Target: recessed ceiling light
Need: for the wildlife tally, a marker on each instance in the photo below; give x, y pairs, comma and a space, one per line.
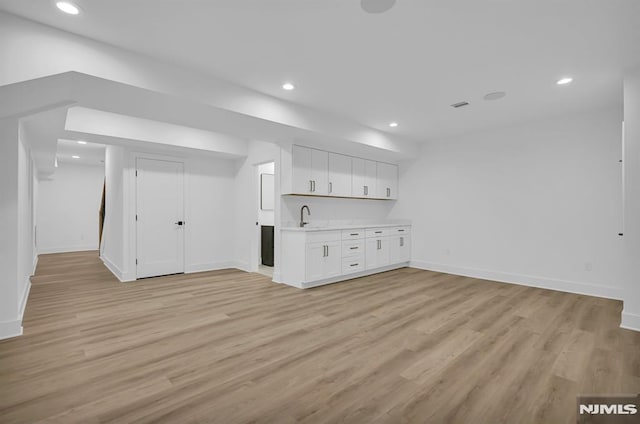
496, 95
288, 86
376, 6
564, 81
82, 142
75, 157
393, 124
68, 8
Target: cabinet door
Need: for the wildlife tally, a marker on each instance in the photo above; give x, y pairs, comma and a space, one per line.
302, 176
320, 172
399, 249
371, 253
370, 178
387, 182
357, 177
405, 248
315, 261
384, 252
333, 259
364, 175
395, 249
339, 175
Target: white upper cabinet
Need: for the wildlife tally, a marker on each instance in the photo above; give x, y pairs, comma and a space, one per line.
387, 181
363, 178
321, 173
310, 171
339, 175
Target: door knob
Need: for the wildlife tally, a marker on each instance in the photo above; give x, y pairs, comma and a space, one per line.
179, 223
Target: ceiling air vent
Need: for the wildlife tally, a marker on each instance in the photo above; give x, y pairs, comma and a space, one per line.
460, 104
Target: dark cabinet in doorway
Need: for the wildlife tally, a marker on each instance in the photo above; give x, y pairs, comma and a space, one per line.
267, 245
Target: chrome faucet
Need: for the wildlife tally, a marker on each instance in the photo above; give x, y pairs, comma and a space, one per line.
302, 223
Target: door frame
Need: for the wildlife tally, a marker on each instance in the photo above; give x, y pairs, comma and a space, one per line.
134, 209
256, 233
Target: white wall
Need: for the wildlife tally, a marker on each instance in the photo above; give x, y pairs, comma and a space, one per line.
325, 209
538, 204
112, 249
10, 324
26, 249
68, 206
17, 252
631, 312
246, 203
209, 214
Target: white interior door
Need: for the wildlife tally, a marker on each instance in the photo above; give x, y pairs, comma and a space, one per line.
159, 217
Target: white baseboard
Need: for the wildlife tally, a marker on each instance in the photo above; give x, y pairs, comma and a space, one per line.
209, 266
66, 249
524, 280
113, 268
23, 300
9, 329
341, 278
241, 265
630, 321
189, 269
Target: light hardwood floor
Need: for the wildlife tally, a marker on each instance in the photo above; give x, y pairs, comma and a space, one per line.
232, 347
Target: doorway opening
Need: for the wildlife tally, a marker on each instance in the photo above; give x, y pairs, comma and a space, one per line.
266, 217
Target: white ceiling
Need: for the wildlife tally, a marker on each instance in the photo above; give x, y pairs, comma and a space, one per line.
407, 65
89, 154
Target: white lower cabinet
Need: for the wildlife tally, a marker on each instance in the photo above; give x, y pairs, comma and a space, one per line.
399, 248
324, 260
316, 257
377, 252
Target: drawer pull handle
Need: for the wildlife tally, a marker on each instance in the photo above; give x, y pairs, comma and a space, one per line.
353, 248
401, 231
354, 265
378, 232
354, 234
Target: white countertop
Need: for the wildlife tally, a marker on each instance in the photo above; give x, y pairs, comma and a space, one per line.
336, 226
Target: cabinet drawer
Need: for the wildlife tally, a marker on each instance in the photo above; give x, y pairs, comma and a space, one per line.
406, 230
322, 236
352, 248
354, 264
378, 232
353, 234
